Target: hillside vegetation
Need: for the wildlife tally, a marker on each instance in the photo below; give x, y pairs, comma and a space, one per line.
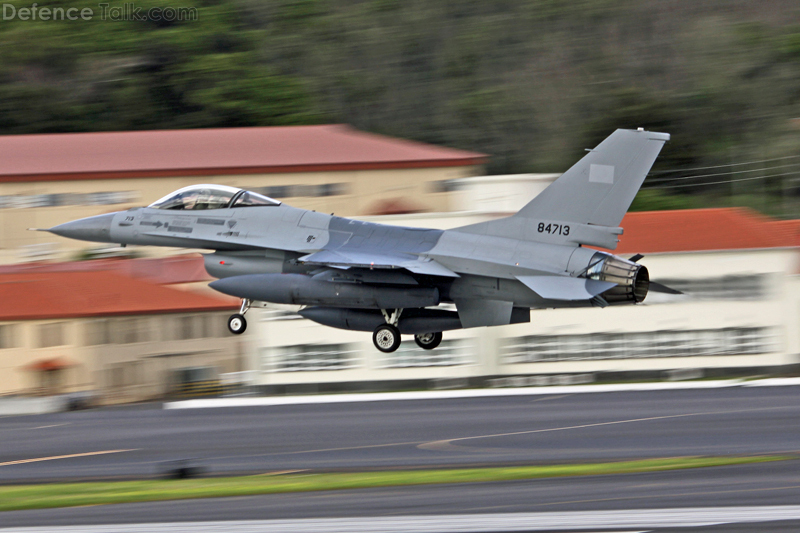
530, 83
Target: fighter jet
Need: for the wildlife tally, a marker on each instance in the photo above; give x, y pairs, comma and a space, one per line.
397, 281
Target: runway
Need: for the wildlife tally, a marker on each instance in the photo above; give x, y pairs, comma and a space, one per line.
479, 431
135, 441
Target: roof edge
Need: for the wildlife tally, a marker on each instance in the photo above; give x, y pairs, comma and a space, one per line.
132, 313
226, 171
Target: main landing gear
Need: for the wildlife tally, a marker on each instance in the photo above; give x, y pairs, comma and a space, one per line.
236, 323
428, 341
386, 337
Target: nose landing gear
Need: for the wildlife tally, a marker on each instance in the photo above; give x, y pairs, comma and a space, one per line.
237, 323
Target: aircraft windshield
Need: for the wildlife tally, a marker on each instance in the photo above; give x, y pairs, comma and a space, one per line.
197, 197
250, 198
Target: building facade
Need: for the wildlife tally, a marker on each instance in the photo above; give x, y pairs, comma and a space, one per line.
49, 179
119, 337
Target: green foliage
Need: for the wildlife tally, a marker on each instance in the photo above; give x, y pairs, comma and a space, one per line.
117, 75
530, 83
655, 200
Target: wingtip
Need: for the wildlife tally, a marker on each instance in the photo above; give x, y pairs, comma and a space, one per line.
654, 135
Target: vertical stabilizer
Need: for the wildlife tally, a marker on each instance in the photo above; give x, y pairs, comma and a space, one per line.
599, 188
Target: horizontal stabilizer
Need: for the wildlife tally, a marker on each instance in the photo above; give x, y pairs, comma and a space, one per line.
658, 287
565, 288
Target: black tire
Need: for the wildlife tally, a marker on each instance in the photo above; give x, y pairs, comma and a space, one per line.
237, 324
428, 341
386, 338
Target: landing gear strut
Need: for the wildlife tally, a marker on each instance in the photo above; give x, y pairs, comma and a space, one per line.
386, 337
236, 323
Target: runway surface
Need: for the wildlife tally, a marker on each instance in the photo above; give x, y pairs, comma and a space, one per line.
525, 430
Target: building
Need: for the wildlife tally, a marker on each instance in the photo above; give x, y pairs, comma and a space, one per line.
132, 329
739, 314
53, 178
498, 194
121, 337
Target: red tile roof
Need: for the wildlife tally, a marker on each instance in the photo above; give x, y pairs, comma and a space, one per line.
185, 268
51, 295
203, 152
790, 227
734, 228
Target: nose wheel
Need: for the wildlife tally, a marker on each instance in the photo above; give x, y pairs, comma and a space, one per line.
237, 323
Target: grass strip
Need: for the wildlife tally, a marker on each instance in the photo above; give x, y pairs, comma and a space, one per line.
17, 497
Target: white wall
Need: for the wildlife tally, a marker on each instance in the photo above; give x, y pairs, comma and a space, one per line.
499, 194
778, 311
482, 350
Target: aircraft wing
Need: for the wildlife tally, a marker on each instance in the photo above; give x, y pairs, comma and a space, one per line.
378, 260
565, 288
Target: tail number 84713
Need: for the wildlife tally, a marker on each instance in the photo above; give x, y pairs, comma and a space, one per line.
553, 229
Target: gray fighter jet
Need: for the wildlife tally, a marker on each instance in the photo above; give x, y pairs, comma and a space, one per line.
393, 280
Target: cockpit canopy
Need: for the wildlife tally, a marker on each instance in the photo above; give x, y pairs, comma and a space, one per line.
197, 197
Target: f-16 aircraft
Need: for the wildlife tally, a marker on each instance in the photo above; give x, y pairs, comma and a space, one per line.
393, 280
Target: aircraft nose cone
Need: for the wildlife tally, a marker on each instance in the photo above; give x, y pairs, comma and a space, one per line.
97, 228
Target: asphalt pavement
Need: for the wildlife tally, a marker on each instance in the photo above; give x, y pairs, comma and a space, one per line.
138, 441
550, 429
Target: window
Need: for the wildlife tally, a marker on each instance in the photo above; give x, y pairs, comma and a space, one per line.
213, 325
445, 186
7, 339
278, 191
126, 330
53, 200
197, 197
728, 341
186, 327
449, 353
312, 357
98, 332
332, 189
293, 191
51, 334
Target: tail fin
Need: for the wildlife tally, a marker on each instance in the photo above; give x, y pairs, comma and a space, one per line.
585, 205
599, 189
